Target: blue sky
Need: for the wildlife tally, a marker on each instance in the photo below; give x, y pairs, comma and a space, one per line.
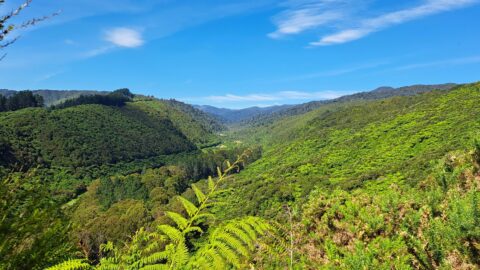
242, 53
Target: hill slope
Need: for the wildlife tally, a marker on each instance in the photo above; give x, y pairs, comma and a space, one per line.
379, 93
95, 134
348, 144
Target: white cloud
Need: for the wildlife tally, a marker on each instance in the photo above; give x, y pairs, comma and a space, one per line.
124, 37
368, 26
303, 15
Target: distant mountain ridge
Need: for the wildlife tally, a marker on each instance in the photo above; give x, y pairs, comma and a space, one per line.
229, 116
270, 114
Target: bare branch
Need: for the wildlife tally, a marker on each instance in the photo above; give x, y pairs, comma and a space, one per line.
6, 30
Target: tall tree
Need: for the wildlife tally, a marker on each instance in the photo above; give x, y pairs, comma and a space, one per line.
3, 103
23, 99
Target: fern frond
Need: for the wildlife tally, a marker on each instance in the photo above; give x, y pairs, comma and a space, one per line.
240, 234
153, 245
189, 206
216, 259
248, 229
181, 222
233, 242
156, 267
173, 233
257, 224
211, 184
200, 195
228, 254
193, 229
155, 258
71, 265
202, 217
180, 257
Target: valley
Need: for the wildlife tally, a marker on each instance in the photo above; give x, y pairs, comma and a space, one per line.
364, 176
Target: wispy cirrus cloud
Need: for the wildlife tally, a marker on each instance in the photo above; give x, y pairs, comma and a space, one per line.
335, 72
372, 25
304, 15
441, 63
351, 18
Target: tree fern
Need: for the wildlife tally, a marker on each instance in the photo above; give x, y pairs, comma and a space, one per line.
230, 244
72, 265
227, 246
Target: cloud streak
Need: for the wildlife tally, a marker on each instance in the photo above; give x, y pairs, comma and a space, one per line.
308, 15
442, 63
335, 72
372, 25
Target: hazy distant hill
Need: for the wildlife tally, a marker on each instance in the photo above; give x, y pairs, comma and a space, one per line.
55, 96
230, 116
379, 93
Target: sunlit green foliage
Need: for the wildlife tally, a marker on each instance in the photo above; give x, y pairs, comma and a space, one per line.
195, 124
347, 145
353, 185
88, 135
390, 224
172, 246
33, 230
116, 98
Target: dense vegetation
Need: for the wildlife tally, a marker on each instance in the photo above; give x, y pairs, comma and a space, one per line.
20, 100
349, 144
388, 183
116, 98
77, 133
54, 97
197, 125
269, 117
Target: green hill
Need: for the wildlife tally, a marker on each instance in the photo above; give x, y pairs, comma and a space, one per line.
270, 116
195, 124
95, 134
389, 183
349, 144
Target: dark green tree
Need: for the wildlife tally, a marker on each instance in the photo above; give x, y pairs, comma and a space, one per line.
3, 103
23, 99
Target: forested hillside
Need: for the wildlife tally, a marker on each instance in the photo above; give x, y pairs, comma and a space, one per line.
52, 97
388, 183
379, 93
348, 144
94, 134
